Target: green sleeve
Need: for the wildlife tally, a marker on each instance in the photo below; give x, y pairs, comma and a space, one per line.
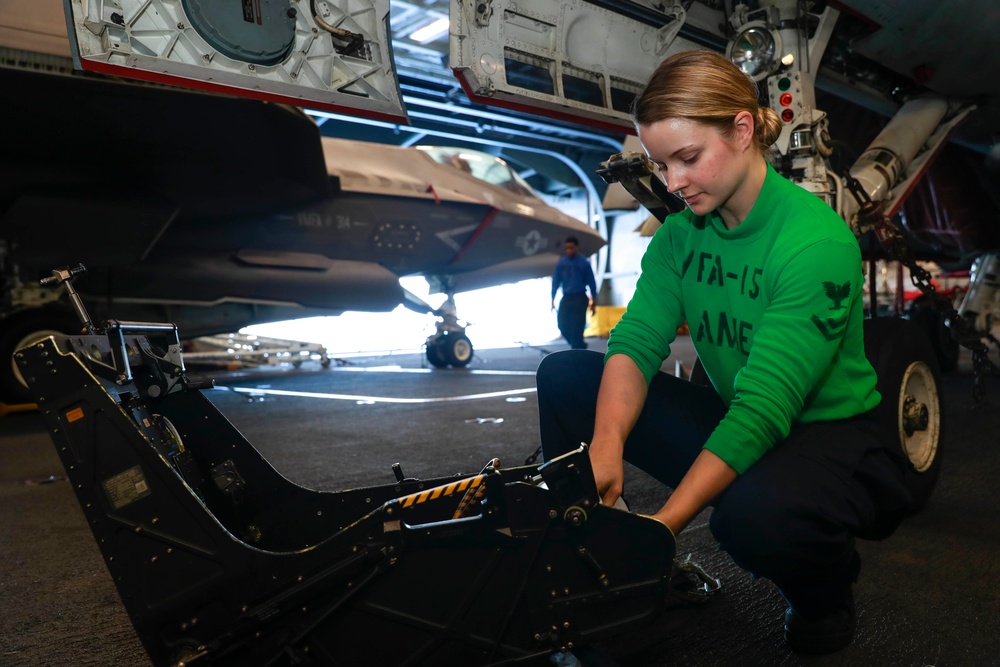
650, 321
813, 299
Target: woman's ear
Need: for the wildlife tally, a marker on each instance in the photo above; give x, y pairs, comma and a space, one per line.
743, 124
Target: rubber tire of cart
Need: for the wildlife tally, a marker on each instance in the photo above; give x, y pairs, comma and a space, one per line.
899, 349
932, 322
458, 349
21, 330
435, 354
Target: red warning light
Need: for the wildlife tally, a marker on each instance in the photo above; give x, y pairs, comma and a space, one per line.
786, 100
787, 115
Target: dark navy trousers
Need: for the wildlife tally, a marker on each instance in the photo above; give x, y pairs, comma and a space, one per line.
572, 319
791, 517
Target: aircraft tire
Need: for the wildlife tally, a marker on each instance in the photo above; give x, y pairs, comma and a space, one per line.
20, 330
909, 380
932, 322
435, 354
458, 350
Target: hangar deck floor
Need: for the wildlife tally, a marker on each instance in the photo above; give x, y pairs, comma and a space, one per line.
929, 595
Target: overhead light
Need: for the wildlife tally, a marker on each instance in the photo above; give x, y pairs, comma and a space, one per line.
430, 31
755, 50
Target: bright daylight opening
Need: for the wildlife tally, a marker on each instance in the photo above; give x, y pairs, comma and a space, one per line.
501, 316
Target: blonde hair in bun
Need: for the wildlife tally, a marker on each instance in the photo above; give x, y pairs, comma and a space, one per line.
767, 127
706, 87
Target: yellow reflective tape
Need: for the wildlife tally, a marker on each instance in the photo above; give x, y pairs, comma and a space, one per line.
438, 491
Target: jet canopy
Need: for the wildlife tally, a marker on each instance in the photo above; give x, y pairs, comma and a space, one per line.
483, 166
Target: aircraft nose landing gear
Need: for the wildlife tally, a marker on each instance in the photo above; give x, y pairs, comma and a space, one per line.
449, 346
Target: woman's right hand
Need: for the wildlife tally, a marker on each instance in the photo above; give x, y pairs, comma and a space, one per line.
619, 401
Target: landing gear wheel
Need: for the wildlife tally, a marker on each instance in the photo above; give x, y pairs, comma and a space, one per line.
932, 322
435, 354
457, 350
20, 333
449, 349
908, 379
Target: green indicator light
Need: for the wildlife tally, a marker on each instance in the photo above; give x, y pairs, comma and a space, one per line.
784, 83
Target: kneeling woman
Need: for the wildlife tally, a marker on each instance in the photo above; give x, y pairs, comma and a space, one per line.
785, 445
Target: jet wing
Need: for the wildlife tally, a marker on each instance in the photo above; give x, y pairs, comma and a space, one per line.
324, 55
134, 164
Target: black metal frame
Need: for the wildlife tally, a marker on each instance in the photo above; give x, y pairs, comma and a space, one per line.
221, 560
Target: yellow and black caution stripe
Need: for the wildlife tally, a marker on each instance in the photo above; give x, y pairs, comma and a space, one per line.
472, 487
472, 494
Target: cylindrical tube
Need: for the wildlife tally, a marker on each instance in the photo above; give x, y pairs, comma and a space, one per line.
885, 160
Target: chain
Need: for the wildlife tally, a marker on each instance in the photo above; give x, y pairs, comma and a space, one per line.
960, 328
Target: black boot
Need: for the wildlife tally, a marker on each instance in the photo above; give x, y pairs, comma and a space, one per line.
825, 631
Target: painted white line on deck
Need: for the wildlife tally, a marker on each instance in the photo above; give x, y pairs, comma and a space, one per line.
400, 369
375, 399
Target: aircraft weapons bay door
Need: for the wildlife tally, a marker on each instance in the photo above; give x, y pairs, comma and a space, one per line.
332, 55
568, 59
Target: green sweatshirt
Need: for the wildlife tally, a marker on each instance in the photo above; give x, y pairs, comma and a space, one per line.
775, 312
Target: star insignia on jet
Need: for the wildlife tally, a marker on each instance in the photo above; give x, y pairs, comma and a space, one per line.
531, 242
837, 293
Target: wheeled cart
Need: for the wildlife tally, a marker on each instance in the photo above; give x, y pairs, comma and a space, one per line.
220, 560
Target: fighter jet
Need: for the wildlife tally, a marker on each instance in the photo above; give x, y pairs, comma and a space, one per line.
215, 212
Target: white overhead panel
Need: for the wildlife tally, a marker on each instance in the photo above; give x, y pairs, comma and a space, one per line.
563, 58
333, 55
